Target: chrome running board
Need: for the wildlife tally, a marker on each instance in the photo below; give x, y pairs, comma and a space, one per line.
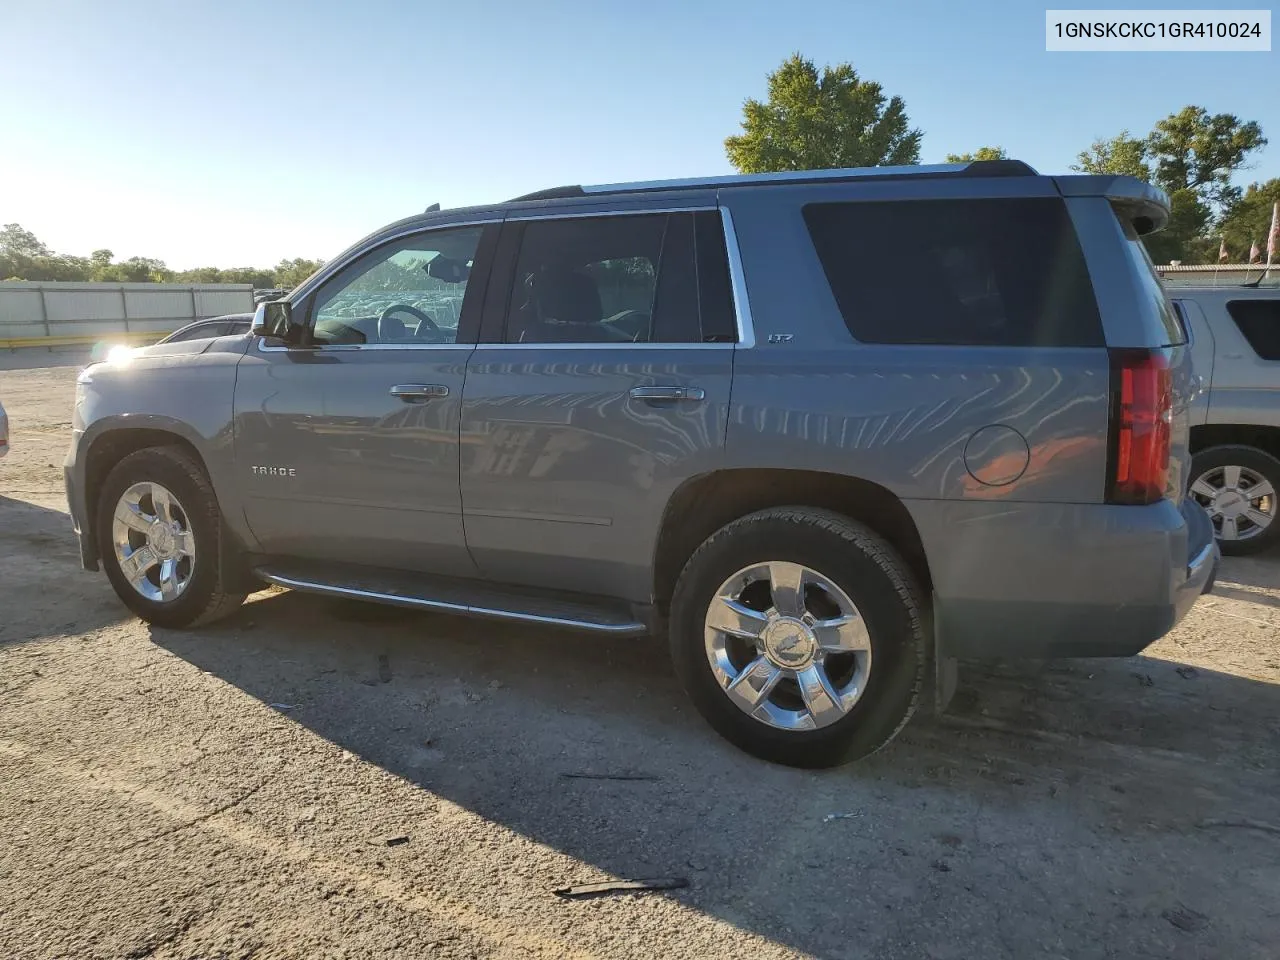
423, 592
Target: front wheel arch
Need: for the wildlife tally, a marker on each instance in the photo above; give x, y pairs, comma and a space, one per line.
109, 448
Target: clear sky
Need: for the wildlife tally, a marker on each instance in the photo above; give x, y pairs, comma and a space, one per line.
236, 133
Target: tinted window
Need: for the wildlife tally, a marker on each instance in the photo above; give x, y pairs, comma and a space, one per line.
407, 292
618, 279
197, 331
1259, 321
1171, 330
715, 294
976, 272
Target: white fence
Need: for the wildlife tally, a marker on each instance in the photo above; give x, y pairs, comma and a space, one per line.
1223, 274
53, 314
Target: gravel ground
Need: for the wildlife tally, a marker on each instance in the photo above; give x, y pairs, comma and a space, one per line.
312, 779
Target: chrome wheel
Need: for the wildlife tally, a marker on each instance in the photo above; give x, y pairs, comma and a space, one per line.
1240, 502
787, 645
153, 542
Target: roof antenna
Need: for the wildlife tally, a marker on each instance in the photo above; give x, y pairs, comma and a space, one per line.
432, 209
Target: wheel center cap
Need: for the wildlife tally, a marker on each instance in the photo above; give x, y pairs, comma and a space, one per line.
789, 643
162, 540
1230, 503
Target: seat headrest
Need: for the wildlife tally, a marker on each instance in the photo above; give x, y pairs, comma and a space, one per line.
568, 296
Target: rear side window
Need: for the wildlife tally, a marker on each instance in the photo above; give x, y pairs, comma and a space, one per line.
961, 272
1153, 291
1259, 321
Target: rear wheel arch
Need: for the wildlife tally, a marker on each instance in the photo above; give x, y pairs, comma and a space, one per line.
704, 504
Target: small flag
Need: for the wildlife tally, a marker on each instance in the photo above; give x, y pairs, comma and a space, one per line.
1222, 249
1273, 238
1254, 253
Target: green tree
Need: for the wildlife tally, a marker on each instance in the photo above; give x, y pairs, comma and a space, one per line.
19, 249
1192, 156
1122, 155
289, 273
1250, 218
982, 153
1195, 151
1183, 238
101, 268
258, 277
815, 121
17, 241
143, 270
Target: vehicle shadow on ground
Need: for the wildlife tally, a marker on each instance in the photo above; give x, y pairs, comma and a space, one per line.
513, 723
40, 561
1245, 578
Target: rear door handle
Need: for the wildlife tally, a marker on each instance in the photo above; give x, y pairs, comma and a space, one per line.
419, 392
693, 394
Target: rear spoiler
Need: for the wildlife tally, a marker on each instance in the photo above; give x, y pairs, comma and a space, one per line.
1144, 206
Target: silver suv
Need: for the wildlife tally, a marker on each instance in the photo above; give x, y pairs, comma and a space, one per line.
828, 431
1235, 417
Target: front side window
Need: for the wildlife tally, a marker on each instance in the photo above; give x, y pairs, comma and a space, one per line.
618, 279
408, 292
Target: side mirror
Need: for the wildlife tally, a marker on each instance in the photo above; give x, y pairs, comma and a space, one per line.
274, 318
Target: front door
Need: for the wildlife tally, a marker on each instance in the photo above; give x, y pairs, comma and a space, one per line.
347, 446
609, 388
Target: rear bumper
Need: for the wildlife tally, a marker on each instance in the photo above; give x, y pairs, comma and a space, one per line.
1074, 581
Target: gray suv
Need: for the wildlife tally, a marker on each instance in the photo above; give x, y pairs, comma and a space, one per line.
827, 431
1235, 417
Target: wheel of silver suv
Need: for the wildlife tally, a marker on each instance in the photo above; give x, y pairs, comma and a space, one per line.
1237, 487
154, 544
798, 634
161, 538
787, 645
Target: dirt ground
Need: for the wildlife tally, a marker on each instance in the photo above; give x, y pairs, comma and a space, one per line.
315, 779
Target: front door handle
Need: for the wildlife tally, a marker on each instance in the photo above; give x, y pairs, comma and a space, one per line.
419, 392
693, 394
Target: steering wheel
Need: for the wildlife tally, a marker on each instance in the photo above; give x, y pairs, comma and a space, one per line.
405, 308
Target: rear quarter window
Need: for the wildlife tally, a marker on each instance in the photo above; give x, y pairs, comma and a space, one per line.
991, 272
1170, 332
1259, 322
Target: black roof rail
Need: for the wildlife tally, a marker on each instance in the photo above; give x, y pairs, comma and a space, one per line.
551, 193
975, 168
998, 168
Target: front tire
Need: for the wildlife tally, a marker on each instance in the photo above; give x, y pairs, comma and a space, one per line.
799, 636
161, 538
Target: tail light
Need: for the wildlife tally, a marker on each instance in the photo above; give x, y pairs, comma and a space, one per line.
1141, 419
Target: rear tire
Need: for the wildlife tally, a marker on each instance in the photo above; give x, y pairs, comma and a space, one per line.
1222, 479
175, 577
842, 692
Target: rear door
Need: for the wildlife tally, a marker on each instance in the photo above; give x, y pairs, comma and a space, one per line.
604, 387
